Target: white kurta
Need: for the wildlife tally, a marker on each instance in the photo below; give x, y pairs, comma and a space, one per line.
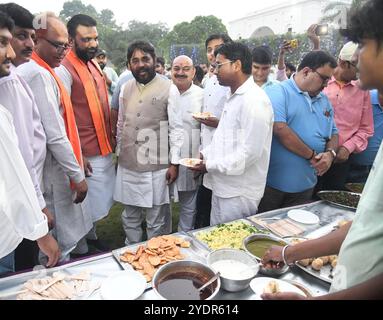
73, 221
238, 158
190, 102
101, 184
20, 213
17, 98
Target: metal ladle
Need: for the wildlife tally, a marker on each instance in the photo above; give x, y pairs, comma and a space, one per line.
215, 277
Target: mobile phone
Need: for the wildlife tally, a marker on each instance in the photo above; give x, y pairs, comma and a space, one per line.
321, 30
294, 43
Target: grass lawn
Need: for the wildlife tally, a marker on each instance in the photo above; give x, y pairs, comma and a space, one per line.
110, 228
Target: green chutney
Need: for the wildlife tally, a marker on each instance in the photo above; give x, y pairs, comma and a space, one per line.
258, 247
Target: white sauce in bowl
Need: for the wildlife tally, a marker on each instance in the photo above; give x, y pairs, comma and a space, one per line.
232, 269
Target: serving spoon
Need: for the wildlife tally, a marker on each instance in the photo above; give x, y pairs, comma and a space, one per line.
215, 277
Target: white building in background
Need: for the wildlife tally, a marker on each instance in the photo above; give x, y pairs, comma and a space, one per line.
294, 15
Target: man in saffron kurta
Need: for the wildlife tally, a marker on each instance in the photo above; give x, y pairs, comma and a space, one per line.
86, 85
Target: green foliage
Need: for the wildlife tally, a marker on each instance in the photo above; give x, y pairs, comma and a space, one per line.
192, 34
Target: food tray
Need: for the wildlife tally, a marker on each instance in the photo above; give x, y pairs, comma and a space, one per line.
328, 195
256, 229
195, 252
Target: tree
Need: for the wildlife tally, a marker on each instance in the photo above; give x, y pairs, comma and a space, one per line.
71, 8
192, 34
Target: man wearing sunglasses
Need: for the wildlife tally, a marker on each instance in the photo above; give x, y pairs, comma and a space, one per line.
353, 117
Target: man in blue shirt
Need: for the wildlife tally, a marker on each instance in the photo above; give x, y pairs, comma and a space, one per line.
361, 163
304, 134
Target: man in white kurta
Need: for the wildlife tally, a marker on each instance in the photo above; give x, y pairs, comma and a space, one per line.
238, 157
72, 221
190, 101
148, 123
20, 212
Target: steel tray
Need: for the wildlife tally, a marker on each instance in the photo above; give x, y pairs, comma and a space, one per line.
322, 195
195, 252
195, 233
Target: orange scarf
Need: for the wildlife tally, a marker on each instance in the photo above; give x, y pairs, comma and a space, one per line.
93, 101
69, 118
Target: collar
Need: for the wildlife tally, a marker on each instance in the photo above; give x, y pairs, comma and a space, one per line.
343, 84
244, 87
375, 97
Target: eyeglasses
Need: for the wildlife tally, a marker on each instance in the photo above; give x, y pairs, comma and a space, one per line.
60, 48
325, 79
219, 65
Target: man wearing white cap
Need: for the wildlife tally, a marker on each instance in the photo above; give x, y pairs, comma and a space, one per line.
353, 116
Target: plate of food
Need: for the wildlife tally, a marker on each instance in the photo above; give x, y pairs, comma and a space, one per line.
270, 285
148, 257
190, 162
203, 115
355, 187
343, 199
227, 235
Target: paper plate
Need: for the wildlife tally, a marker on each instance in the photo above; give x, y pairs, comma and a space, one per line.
186, 162
199, 115
303, 216
123, 285
258, 285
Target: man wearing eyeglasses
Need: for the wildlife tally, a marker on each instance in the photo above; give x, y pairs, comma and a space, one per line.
191, 99
304, 133
86, 85
18, 98
63, 179
238, 156
353, 117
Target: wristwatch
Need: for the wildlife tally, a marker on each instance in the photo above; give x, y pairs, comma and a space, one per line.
332, 151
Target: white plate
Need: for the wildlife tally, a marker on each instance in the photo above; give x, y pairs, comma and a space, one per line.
303, 216
123, 285
184, 162
259, 284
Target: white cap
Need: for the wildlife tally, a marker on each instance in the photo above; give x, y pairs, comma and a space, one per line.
348, 51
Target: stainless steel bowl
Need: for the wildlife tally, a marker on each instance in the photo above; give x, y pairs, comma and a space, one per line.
230, 284
195, 270
262, 269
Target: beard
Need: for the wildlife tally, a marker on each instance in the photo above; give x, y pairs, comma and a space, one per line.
149, 76
86, 54
102, 65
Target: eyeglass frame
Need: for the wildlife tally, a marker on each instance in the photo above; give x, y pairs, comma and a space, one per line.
62, 48
324, 79
219, 65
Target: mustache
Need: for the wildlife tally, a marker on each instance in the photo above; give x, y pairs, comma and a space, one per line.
27, 51
180, 76
7, 61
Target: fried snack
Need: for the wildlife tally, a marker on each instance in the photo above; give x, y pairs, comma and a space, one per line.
325, 259
158, 251
272, 287
317, 264
332, 258
334, 262
304, 262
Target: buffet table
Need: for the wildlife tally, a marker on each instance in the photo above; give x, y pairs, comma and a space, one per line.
102, 266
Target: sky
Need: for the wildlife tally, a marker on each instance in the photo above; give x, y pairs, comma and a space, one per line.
170, 12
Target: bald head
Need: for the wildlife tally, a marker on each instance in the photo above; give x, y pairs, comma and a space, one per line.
183, 72
183, 59
52, 41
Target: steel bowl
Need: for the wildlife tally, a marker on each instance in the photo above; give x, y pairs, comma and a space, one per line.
266, 271
198, 272
230, 283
